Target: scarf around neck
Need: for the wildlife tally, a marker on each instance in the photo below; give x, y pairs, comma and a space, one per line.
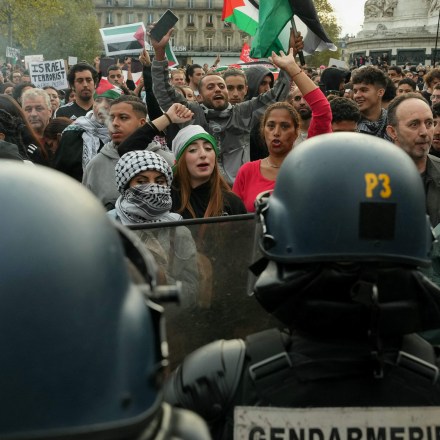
211, 113
93, 133
148, 203
375, 128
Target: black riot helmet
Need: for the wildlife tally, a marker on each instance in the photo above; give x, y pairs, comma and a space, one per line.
347, 197
80, 344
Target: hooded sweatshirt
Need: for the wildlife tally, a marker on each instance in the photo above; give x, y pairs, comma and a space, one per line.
99, 175
255, 76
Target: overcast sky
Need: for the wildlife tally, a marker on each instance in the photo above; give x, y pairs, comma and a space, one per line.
350, 14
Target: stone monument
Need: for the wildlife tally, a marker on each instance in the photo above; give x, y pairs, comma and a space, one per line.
401, 31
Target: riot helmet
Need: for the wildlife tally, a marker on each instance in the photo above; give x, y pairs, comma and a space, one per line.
81, 347
343, 234
347, 197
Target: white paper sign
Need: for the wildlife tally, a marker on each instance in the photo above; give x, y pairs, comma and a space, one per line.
30, 58
48, 73
71, 61
337, 63
11, 52
403, 423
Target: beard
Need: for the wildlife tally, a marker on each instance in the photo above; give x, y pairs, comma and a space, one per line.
305, 113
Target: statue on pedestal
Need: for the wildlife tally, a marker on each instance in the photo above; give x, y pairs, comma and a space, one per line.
388, 10
434, 5
380, 8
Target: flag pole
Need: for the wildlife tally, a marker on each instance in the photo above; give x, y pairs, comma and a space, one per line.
300, 53
436, 41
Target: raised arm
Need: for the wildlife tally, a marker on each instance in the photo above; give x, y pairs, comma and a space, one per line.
140, 139
321, 111
165, 94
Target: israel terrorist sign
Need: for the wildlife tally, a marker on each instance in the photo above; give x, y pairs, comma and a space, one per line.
402, 423
48, 73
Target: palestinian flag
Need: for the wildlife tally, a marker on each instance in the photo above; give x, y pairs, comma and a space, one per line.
123, 40
171, 57
274, 18
243, 13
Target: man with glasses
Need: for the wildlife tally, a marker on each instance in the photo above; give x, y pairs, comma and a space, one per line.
16, 77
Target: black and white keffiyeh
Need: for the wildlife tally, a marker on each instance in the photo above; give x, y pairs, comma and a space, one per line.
134, 162
375, 128
149, 203
92, 132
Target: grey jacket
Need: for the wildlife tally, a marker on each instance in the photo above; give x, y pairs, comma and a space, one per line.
230, 127
99, 175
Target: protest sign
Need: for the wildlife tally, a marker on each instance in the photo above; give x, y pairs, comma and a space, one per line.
13, 53
337, 63
123, 40
48, 73
31, 58
71, 61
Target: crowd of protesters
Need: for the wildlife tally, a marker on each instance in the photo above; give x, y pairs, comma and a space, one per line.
241, 122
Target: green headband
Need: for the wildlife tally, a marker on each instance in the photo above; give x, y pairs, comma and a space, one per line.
197, 136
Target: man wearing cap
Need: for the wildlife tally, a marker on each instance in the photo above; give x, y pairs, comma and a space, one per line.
82, 140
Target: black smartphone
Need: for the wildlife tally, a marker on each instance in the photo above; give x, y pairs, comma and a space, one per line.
163, 25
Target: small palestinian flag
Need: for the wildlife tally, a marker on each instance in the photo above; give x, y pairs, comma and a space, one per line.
172, 60
123, 40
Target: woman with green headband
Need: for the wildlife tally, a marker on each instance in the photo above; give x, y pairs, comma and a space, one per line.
199, 190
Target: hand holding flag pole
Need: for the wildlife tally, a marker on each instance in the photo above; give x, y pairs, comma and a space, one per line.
295, 33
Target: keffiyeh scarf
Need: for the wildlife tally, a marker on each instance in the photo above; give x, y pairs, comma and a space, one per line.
145, 203
375, 128
93, 132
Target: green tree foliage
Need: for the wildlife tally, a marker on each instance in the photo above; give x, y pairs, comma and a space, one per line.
75, 33
329, 22
54, 28
23, 20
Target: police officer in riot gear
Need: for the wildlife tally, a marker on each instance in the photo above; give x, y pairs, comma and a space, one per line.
81, 348
343, 235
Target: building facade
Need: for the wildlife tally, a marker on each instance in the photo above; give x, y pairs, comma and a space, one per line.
199, 35
399, 31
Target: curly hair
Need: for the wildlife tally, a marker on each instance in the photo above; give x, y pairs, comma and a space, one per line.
10, 126
370, 75
344, 109
431, 75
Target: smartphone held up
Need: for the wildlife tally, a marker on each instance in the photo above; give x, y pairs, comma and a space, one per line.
163, 25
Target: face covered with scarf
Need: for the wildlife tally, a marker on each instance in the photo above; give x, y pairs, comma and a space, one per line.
144, 181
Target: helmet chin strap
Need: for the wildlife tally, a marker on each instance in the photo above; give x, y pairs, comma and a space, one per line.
366, 292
